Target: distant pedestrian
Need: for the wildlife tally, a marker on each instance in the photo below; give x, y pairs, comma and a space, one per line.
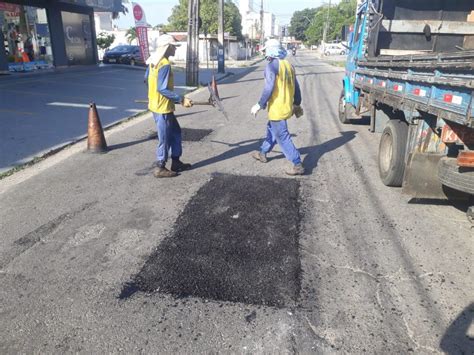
161, 102
283, 97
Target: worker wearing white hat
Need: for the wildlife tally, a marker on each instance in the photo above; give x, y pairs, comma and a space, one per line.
283, 97
161, 102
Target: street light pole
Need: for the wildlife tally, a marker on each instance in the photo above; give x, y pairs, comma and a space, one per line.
262, 35
192, 53
220, 39
326, 27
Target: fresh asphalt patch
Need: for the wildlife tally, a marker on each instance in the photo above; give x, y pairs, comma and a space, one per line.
188, 134
237, 240
194, 134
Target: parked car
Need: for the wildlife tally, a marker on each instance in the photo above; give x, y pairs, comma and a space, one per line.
124, 54
334, 49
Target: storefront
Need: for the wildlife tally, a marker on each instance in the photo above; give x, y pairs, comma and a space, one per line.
39, 34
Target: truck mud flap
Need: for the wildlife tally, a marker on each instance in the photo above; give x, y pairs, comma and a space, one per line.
421, 179
421, 176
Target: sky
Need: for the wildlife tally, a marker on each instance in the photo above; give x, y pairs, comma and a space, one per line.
158, 11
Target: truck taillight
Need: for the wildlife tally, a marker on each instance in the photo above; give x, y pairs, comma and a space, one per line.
466, 159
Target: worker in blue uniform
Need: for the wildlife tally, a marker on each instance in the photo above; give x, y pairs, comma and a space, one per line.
282, 96
161, 102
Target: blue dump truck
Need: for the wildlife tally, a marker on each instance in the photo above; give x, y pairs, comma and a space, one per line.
410, 67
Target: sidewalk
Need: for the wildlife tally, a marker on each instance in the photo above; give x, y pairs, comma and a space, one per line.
45, 111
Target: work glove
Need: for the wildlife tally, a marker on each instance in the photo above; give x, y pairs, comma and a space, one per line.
255, 109
298, 111
187, 102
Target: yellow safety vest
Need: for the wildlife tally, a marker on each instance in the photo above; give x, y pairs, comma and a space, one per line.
157, 102
280, 105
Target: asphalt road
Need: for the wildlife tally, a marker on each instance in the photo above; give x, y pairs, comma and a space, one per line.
92, 247
40, 112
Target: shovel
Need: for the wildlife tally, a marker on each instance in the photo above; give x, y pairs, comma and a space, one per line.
213, 101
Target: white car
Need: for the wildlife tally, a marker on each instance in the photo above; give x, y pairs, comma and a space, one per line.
334, 49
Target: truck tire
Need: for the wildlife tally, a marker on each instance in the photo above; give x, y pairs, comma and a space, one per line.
345, 110
451, 175
392, 152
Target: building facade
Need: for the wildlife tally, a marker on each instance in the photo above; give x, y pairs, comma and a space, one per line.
251, 21
44, 33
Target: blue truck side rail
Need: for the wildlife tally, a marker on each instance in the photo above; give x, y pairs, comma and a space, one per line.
449, 97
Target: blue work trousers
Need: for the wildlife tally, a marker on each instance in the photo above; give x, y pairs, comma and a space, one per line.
277, 132
169, 136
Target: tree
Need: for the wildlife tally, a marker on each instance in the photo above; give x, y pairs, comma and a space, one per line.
131, 35
300, 21
178, 21
158, 27
105, 40
339, 16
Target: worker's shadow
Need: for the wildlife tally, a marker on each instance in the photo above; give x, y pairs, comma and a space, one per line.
315, 152
311, 154
239, 148
458, 338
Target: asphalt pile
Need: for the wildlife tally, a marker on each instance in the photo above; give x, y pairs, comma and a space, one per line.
235, 241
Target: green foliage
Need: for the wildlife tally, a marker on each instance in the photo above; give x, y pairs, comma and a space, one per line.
300, 21
178, 21
131, 35
339, 15
105, 40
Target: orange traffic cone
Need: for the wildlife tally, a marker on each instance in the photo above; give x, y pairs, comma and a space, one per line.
25, 58
214, 87
95, 134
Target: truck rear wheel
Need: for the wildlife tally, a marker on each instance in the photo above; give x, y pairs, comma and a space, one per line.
392, 153
451, 175
344, 110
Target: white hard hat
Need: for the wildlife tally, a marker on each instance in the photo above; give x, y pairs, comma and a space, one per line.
163, 42
271, 43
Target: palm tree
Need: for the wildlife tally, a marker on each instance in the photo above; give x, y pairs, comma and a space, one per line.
131, 35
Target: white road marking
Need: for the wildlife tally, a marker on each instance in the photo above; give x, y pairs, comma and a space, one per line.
70, 104
134, 110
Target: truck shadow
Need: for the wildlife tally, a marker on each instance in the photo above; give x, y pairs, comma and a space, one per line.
456, 339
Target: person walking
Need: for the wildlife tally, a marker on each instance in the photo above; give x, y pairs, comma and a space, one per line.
161, 102
282, 95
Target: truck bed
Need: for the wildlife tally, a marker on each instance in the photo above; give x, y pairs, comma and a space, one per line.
445, 94
462, 60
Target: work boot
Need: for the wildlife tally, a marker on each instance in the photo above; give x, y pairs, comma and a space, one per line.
178, 165
162, 172
259, 156
296, 169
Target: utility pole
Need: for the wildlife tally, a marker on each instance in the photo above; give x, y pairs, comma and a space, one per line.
262, 33
220, 39
192, 53
326, 27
